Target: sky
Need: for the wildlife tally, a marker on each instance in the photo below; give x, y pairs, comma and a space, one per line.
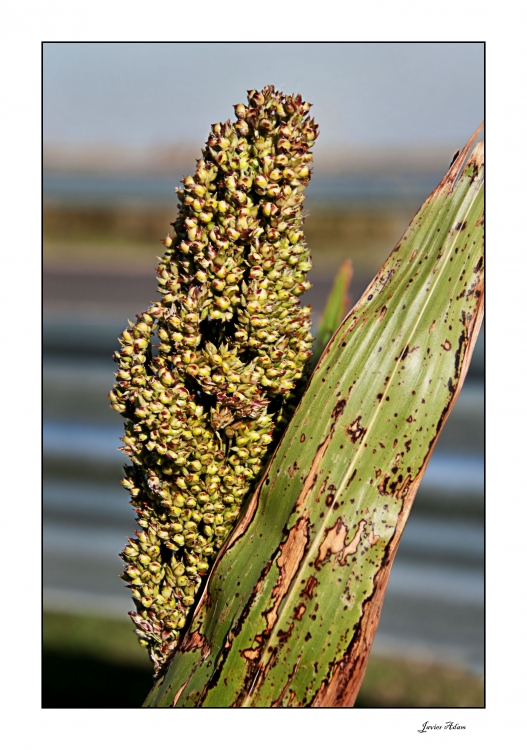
363, 94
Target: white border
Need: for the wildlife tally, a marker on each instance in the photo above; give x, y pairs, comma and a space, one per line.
25, 25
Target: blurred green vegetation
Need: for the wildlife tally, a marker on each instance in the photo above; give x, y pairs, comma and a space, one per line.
403, 683
90, 235
93, 662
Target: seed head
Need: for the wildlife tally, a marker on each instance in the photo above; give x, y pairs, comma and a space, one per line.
205, 402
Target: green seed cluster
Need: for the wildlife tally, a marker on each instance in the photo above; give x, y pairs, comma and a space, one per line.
232, 344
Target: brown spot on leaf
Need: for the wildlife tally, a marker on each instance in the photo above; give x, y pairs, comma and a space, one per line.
302, 437
350, 480
176, 697
321, 489
251, 654
447, 346
293, 469
339, 408
355, 431
383, 485
371, 538
284, 635
291, 553
196, 641
299, 611
404, 488
335, 543
312, 476
406, 351
310, 585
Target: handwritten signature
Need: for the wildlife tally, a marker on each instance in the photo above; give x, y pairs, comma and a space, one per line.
447, 725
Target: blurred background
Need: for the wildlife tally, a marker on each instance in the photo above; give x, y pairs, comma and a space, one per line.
123, 123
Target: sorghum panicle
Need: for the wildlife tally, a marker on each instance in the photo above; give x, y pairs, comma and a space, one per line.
233, 341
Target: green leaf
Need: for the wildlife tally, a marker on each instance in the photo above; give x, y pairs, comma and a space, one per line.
335, 310
291, 607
